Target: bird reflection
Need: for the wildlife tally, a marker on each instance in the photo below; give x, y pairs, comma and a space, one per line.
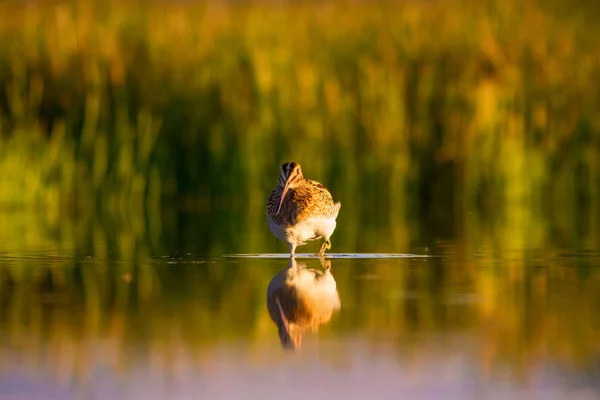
300, 300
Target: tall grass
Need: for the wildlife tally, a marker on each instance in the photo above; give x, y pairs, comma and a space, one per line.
445, 108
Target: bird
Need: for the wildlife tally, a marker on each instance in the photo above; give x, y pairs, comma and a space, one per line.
300, 209
300, 300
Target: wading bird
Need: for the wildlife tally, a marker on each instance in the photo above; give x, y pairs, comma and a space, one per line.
300, 300
301, 209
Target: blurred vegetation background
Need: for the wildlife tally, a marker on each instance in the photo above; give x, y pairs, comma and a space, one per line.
132, 130
455, 111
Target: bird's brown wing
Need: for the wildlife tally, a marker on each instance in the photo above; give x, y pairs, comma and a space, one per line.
301, 203
314, 200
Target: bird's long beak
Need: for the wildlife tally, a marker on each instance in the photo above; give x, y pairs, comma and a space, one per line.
286, 325
285, 190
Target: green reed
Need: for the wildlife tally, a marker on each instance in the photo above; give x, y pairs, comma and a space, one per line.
446, 109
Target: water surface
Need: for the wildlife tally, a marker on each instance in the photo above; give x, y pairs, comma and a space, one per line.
440, 320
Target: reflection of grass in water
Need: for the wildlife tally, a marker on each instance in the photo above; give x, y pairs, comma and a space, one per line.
62, 315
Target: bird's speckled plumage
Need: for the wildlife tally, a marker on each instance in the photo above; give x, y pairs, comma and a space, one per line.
301, 300
307, 212
302, 202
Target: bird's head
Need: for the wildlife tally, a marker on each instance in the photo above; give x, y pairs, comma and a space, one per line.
289, 177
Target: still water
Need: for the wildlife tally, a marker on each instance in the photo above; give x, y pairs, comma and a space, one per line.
436, 319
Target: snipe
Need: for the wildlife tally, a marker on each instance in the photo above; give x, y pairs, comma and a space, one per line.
301, 209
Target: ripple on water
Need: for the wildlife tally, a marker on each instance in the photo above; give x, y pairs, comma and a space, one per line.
330, 255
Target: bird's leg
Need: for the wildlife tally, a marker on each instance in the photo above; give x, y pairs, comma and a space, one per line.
322, 251
326, 245
292, 249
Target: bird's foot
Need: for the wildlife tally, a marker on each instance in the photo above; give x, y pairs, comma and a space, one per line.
326, 245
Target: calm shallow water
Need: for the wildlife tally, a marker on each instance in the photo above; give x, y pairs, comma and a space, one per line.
441, 319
